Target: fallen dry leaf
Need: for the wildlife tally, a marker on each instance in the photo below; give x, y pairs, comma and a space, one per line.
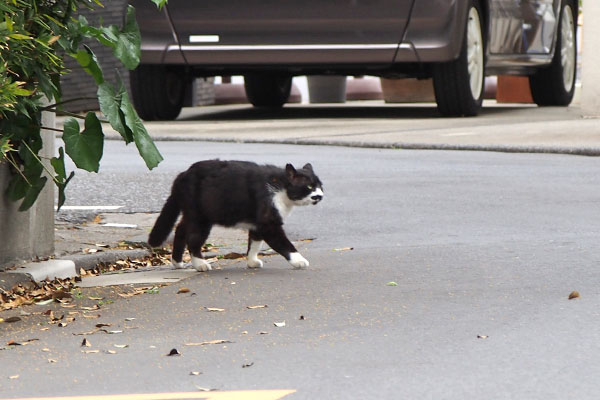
121, 346
90, 351
86, 343
482, 336
279, 324
183, 290
217, 341
129, 319
12, 319
52, 360
86, 333
95, 298
196, 373
233, 256
263, 333
203, 389
214, 309
258, 306
247, 365
102, 325
111, 352
344, 249
174, 352
91, 316
13, 377
573, 295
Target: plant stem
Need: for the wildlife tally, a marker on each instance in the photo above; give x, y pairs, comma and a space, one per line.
41, 163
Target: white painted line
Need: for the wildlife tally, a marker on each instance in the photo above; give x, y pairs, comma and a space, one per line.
93, 208
115, 225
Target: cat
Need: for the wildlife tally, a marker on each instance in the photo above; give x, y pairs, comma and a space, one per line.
236, 194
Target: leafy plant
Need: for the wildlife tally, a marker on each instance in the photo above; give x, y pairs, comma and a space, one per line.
34, 35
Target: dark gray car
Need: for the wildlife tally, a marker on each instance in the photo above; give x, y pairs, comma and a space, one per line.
456, 42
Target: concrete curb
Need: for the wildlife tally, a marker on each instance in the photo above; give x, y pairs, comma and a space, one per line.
579, 151
64, 267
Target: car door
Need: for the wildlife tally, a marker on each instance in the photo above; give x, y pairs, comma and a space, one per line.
523, 27
288, 31
540, 21
506, 27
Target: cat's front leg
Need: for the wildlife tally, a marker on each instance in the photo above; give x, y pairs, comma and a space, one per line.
276, 238
298, 261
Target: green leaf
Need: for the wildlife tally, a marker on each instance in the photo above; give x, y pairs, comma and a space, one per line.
143, 142
87, 59
32, 193
85, 148
61, 180
160, 3
110, 105
129, 41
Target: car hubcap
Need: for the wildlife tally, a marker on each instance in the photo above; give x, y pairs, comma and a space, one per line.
567, 47
475, 53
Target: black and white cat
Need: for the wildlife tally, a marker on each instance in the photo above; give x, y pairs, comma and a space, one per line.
236, 194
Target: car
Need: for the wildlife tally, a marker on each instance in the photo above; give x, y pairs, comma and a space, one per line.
455, 42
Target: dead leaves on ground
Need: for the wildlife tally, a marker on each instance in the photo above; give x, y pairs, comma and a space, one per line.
45, 292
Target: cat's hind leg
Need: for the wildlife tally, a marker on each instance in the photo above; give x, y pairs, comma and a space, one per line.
179, 245
197, 235
255, 242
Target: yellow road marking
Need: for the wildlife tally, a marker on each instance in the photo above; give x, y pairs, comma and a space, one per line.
228, 395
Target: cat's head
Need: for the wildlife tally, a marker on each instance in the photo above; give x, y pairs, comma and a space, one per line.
304, 186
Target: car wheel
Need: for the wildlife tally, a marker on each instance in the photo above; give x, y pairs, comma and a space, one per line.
555, 85
459, 84
157, 91
267, 90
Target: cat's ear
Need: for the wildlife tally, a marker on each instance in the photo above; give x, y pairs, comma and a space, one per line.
290, 171
308, 167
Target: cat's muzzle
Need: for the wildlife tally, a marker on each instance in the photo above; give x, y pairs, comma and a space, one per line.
316, 198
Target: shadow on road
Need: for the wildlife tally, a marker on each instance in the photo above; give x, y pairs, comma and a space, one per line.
249, 113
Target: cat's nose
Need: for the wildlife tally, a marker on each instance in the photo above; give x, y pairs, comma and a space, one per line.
316, 198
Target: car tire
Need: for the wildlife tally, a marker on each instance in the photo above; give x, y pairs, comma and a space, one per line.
267, 90
157, 91
459, 84
555, 84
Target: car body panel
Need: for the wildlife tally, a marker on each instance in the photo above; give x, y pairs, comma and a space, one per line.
289, 31
370, 36
436, 29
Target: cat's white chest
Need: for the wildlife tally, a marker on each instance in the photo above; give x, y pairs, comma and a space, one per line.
282, 204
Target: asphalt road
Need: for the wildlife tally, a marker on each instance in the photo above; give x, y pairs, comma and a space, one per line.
483, 248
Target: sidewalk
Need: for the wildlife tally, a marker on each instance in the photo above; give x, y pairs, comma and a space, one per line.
500, 127
510, 128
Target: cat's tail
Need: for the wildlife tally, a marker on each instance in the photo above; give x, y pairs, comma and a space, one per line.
164, 223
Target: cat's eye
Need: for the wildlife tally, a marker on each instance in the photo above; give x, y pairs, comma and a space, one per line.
310, 187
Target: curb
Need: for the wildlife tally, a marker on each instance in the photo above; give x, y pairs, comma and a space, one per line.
65, 267
577, 151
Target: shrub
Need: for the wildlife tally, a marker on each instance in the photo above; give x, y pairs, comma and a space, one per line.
35, 35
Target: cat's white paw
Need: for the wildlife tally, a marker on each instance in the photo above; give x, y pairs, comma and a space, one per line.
200, 264
298, 261
255, 263
177, 265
